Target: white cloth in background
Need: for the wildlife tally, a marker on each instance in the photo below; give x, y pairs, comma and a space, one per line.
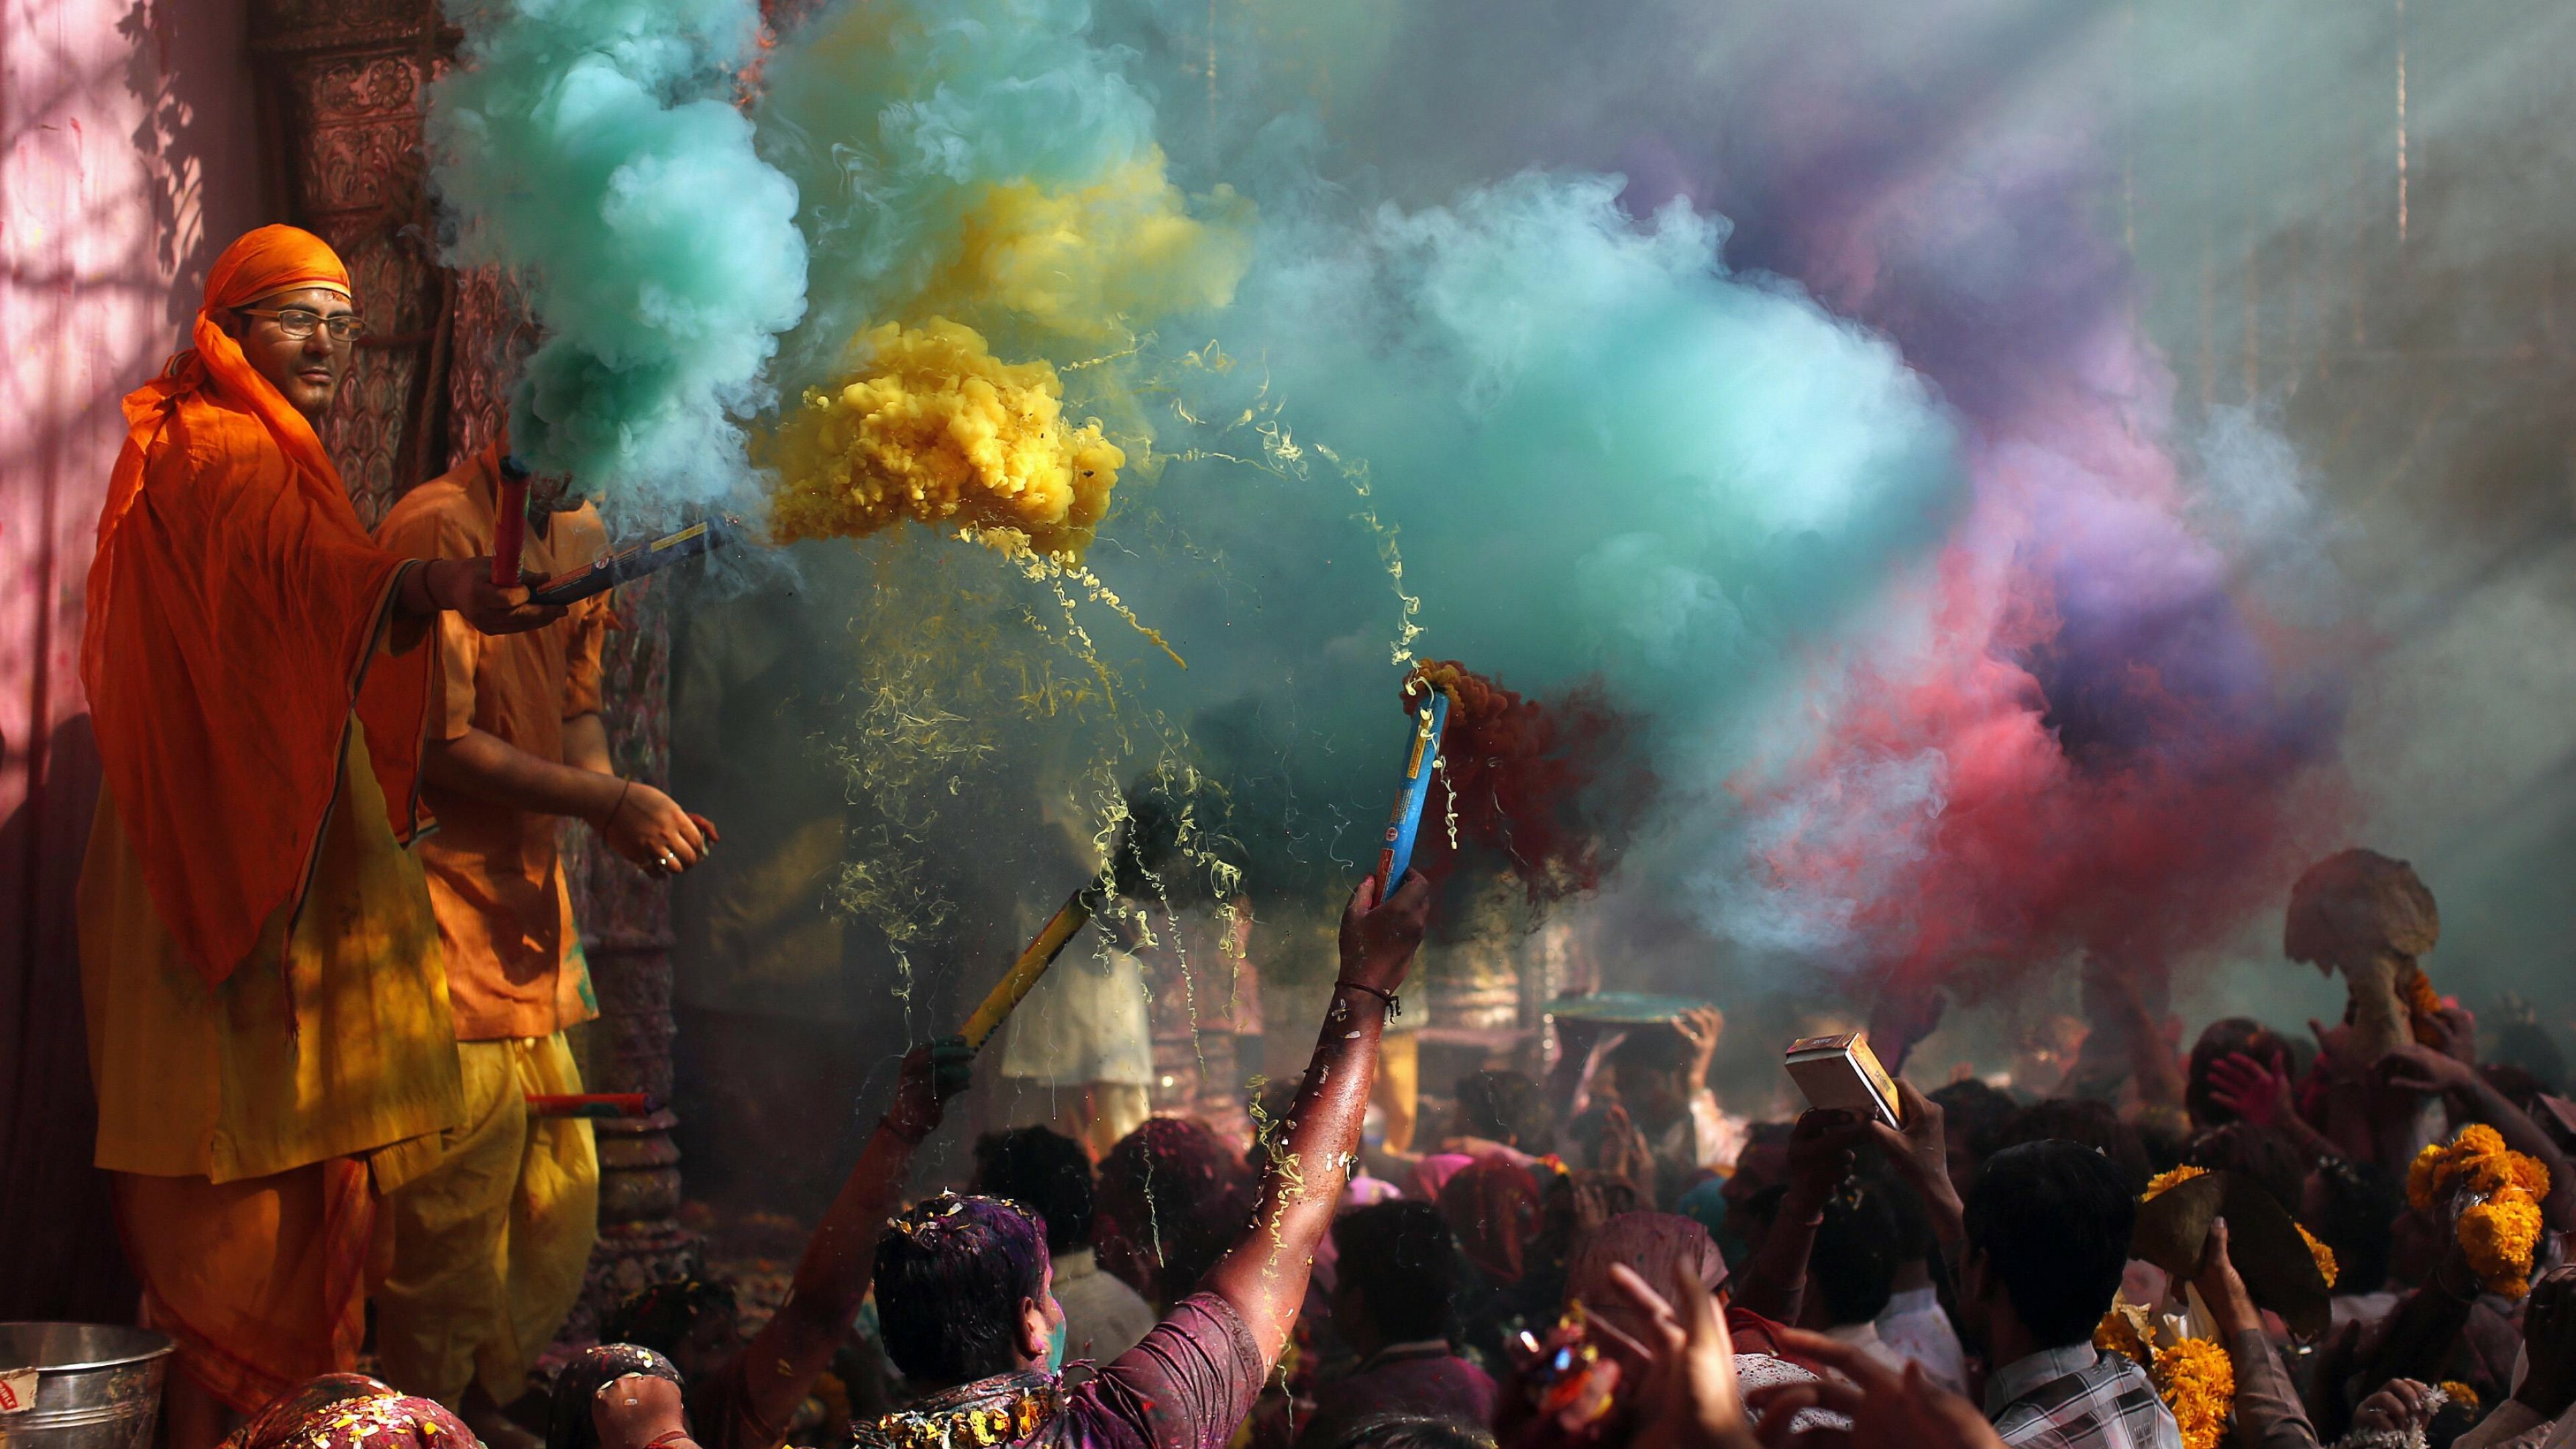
1103, 1317
1864, 1336
1085, 1023
1915, 1326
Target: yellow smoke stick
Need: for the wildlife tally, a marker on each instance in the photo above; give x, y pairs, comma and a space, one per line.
1007, 993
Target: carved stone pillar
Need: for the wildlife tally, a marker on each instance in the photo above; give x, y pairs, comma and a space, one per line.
342, 87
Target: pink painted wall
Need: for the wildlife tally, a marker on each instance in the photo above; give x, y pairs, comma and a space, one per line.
129, 161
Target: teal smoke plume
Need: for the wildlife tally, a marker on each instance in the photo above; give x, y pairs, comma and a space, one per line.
592, 149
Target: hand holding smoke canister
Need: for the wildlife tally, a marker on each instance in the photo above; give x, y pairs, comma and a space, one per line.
1405, 825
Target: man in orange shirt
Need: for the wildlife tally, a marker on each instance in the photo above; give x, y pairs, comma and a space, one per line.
489, 1244
267, 1005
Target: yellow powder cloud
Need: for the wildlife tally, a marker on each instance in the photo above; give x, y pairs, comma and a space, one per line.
1088, 262
932, 427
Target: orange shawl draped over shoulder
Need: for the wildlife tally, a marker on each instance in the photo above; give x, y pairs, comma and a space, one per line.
235, 609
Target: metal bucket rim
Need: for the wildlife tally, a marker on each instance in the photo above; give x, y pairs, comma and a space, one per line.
164, 1345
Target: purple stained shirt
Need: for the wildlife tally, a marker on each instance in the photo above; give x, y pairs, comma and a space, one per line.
1423, 1378
1186, 1386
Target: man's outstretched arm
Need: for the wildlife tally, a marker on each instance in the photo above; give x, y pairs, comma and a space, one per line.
1263, 1277
780, 1364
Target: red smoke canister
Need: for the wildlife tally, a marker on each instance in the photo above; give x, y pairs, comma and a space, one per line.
510, 522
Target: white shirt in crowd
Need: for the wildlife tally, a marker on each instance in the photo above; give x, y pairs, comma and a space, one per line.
1914, 1326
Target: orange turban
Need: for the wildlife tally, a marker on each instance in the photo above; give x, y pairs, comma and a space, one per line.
235, 609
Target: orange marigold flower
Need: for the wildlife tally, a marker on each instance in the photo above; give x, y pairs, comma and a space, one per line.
2199, 1385
2163, 1180
2326, 1266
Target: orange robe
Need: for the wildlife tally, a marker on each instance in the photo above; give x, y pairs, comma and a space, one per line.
489, 1245
266, 1001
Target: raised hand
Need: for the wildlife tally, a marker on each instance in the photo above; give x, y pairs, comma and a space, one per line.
1888, 1410
1379, 938
1920, 1153
2231, 1308
1688, 1398
465, 586
2257, 1092
2415, 1067
933, 1072
1700, 1026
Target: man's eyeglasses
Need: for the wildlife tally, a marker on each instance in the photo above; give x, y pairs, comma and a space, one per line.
297, 323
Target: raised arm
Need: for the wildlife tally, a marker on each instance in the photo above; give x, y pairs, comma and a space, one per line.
780, 1365
2416, 1067
1822, 1150
1263, 1277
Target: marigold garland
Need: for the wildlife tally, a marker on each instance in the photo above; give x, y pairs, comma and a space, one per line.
2166, 1180
2118, 1333
2460, 1394
2327, 1268
2198, 1384
2500, 1227
2423, 1004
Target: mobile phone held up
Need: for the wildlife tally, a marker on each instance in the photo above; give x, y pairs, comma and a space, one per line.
1841, 1071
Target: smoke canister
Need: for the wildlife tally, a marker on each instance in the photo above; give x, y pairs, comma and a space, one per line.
510, 522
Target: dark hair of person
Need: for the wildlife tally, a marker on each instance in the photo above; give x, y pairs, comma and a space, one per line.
660, 1317
2358, 1221
1400, 1256
2223, 1038
951, 1275
1913, 1237
569, 1424
1979, 1110
2053, 1219
2520, 1040
1858, 1245
1176, 1192
1654, 1051
2268, 1157
1399, 1430
1506, 1107
2089, 1123
1044, 1171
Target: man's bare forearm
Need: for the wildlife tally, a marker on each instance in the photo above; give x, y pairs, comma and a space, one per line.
1264, 1276
486, 767
585, 744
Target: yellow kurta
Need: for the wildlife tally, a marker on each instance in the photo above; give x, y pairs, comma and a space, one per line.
350, 1050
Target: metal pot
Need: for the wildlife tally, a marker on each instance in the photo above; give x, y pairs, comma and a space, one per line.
98, 1386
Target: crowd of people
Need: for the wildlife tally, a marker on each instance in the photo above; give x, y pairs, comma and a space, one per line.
1982, 1270
318, 1047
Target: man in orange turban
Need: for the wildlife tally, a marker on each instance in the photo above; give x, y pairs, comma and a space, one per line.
267, 1004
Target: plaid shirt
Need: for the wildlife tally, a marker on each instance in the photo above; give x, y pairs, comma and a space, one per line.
2079, 1399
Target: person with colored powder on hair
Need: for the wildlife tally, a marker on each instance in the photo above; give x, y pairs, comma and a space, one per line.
965, 1292
489, 1245
267, 1007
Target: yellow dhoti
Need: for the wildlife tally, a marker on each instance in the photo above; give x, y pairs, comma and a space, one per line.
489, 1244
